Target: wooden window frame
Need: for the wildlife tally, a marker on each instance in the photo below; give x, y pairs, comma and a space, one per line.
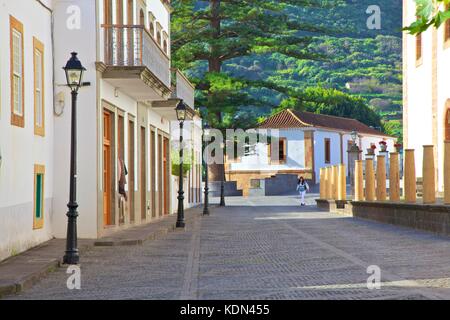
38, 223
327, 150
419, 49
14, 24
39, 46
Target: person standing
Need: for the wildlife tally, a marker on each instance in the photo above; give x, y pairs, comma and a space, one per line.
302, 188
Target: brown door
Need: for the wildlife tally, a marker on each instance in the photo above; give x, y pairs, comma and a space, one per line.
153, 173
160, 175
119, 31
166, 175
143, 177
108, 30
131, 169
447, 125
107, 183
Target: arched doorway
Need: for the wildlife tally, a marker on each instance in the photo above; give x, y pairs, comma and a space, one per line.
447, 121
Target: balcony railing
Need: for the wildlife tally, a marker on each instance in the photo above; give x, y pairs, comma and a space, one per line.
133, 46
182, 88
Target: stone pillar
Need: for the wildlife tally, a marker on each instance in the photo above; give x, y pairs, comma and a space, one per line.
381, 178
342, 185
447, 172
394, 178
335, 184
327, 183
428, 173
359, 181
322, 184
410, 176
370, 181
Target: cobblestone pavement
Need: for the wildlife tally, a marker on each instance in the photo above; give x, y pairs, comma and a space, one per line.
264, 248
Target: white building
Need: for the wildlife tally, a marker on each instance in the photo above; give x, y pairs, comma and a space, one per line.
426, 103
307, 142
125, 111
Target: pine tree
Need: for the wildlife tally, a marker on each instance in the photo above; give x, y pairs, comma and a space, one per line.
209, 34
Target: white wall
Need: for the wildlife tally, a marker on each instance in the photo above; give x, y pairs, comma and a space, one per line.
419, 94
84, 42
260, 160
20, 148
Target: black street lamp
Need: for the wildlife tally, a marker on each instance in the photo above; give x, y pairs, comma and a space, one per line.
206, 201
222, 181
181, 116
74, 76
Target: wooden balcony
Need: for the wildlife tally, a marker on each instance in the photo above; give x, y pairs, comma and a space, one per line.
182, 88
133, 62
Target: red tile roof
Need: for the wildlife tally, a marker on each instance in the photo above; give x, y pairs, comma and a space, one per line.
299, 119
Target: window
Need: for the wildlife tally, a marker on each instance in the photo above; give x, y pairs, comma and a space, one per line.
158, 38
16, 67
38, 216
165, 46
282, 152
39, 106
327, 145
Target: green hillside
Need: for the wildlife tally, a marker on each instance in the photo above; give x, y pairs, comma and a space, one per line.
351, 58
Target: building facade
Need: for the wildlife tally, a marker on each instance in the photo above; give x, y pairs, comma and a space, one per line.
306, 143
426, 101
125, 113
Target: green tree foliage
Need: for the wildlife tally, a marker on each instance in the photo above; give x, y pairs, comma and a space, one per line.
206, 35
333, 102
431, 13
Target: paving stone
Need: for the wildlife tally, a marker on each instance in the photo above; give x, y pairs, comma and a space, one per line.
264, 248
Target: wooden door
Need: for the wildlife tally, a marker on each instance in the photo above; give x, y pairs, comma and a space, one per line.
153, 173
447, 125
107, 18
143, 177
107, 174
160, 175
131, 169
119, 31
166, 175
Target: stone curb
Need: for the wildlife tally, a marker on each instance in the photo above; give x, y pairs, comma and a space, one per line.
152, 235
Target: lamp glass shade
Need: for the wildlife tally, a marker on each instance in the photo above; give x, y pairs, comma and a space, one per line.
181, 111
74, 78
354, 136
74, 72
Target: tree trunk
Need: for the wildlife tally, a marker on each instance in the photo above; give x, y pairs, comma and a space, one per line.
216, 170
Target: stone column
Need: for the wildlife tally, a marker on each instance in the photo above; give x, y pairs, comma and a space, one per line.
410, 176
370, 181
322, 184
342, 185
359, 181
428, 173
447, 172
394, 178
327, 183
335, 175
381, 178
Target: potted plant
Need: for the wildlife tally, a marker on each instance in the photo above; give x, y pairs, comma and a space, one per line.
371, 150
398, 147
383, 146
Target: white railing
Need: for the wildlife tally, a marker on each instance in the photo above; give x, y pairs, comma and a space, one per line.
133, 46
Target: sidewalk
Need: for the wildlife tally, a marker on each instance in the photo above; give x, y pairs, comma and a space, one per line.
22, 271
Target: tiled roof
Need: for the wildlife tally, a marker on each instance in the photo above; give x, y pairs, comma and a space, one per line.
298, 119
